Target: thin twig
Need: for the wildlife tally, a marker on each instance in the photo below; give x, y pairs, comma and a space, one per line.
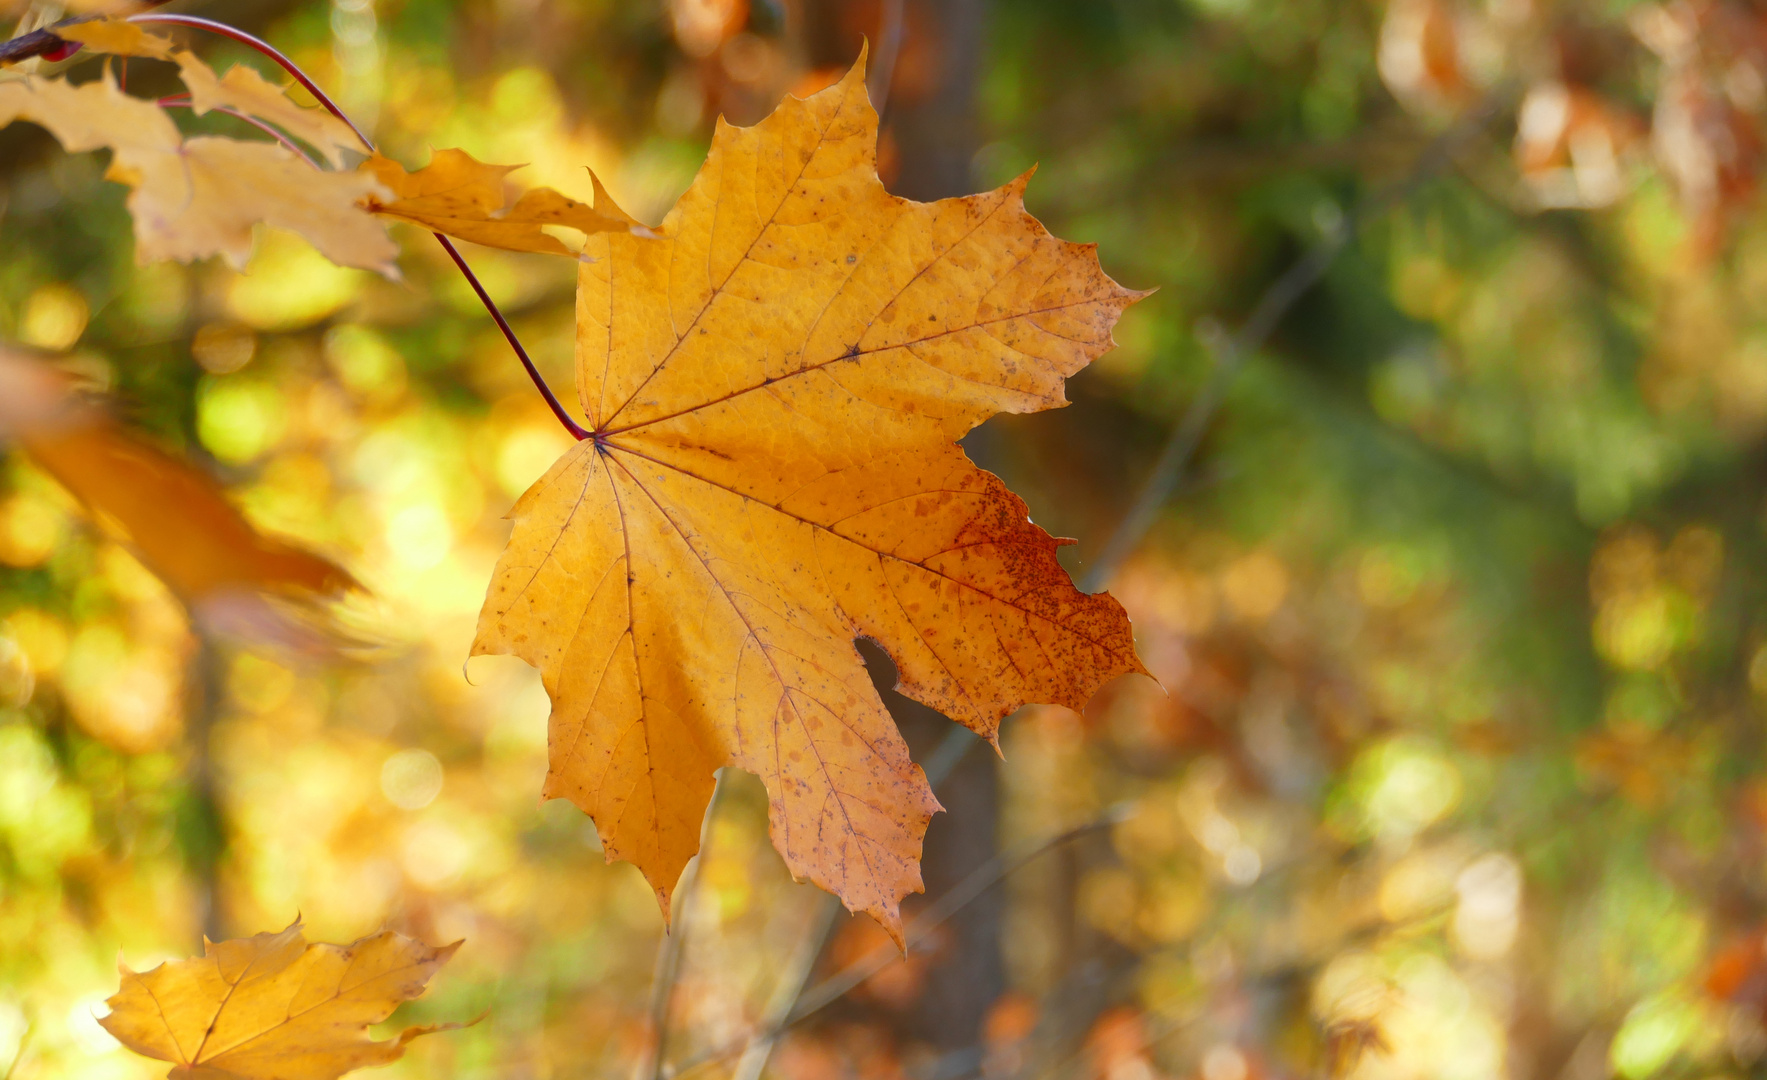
37, 42
940, 911
196, 22
208, 840
790, 987
936, 914
1231, 355
18, 1055
949, 754
674, 943
570, 424
182, 101
939, 765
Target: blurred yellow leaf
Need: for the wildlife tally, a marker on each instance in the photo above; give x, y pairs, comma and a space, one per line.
776, 382
272, 1007
245, 90
199, 197
120, 37
33, 394
175, 516
241, 89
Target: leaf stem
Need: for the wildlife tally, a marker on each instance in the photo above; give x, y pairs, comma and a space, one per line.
196, 22
199, 23
578, 431
182, 101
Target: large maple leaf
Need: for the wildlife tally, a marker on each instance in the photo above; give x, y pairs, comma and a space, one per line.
775, 382
272, 1007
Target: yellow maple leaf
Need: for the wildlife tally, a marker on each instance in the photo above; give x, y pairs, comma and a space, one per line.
199, 197
466, 198
206, 198
272, 1007
775, 383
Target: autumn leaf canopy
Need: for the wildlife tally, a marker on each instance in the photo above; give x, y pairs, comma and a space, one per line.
775, 383
201, 195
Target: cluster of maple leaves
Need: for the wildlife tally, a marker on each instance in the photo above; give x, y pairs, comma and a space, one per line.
200, 196
774, 380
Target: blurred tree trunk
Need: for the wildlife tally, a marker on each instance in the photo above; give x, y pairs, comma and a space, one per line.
929, 138
202, 824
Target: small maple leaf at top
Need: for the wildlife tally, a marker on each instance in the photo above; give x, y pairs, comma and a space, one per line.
775, 381
465, 198
272, 1007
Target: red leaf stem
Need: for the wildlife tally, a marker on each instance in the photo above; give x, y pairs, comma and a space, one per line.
213, 27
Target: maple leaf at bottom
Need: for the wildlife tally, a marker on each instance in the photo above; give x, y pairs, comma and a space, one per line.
775, 379
272, 1007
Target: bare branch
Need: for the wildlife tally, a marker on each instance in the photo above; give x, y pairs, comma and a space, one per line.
936, 914
939, 765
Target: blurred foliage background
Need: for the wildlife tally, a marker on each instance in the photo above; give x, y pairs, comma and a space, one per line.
1458, 769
